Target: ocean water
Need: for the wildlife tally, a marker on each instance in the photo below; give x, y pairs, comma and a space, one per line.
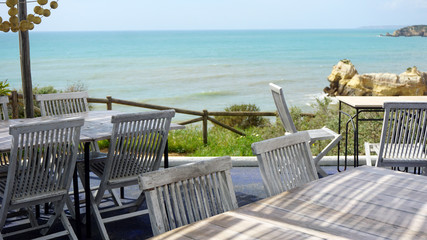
210, 70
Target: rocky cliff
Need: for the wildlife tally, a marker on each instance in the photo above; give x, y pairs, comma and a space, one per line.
345, 81
416, 30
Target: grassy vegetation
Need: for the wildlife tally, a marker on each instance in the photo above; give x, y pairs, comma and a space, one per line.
223, 142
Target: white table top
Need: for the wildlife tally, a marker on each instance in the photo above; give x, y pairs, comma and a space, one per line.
97, 126
377, 101
363, 203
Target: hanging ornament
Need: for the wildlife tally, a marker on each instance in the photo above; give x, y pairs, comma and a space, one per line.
40, 11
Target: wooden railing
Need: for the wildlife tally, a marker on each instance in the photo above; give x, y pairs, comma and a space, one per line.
201, 116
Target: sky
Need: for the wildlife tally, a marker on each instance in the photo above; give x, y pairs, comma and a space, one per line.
108, 15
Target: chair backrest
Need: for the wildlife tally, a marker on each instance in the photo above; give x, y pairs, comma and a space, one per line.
181, 195
404, 135
62, 103
285, 162
4, 100
137, 143
42, 161
282, 108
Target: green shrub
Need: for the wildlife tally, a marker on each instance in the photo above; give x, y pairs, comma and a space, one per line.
4, 88
44, 90
243, 122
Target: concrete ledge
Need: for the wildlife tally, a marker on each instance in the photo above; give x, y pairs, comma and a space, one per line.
252, 162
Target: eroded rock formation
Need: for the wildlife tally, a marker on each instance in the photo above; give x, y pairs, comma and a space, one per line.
345, 80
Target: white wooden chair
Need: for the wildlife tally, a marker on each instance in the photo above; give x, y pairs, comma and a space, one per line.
404, 135
4, 100
42, 161
315, 134
137, 144
285, 162
55, 104
181, 195
4, 156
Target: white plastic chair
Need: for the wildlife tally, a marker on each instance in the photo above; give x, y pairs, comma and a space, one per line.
403, 135
188, 193
42, 161
285, 162
315, 134
137, 144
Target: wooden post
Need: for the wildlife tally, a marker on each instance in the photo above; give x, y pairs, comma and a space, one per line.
24, 52
205, 127
15, 111
109, 103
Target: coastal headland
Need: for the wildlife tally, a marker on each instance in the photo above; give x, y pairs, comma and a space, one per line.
410, 31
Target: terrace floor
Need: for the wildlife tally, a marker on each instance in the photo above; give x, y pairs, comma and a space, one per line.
247, 185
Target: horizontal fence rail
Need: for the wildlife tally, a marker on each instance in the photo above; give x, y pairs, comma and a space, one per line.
201, 116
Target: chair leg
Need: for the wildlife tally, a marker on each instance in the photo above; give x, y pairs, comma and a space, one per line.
138, 202
95, 212
32, 217
368, 154
70, 207
116, 198
328, 148
68, 226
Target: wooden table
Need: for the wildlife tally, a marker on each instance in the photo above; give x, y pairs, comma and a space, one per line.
367, 104
97, 127
363, 203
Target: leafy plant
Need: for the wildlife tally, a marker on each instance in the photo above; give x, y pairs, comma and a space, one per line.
242, 122
77, 86
4, 88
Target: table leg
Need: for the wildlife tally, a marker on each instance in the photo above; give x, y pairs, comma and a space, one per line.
339, 132
77, 203
356, 140
166, 156
87, 190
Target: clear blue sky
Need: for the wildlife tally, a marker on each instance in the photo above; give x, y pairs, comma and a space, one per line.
101, 15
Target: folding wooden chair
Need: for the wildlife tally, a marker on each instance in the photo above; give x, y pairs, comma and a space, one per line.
403, 135
42, 161
137, 144
315, 134
181, 195
285, 162
59, 104
4, 156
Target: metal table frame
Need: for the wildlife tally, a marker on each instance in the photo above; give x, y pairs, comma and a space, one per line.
364, 104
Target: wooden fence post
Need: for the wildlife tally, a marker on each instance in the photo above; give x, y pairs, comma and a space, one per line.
109, 103
15, 111
205, 127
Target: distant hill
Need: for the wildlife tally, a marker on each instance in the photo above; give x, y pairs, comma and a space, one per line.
382, 27
411, 31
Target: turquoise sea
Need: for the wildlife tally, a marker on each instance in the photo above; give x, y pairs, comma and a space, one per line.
210, 70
